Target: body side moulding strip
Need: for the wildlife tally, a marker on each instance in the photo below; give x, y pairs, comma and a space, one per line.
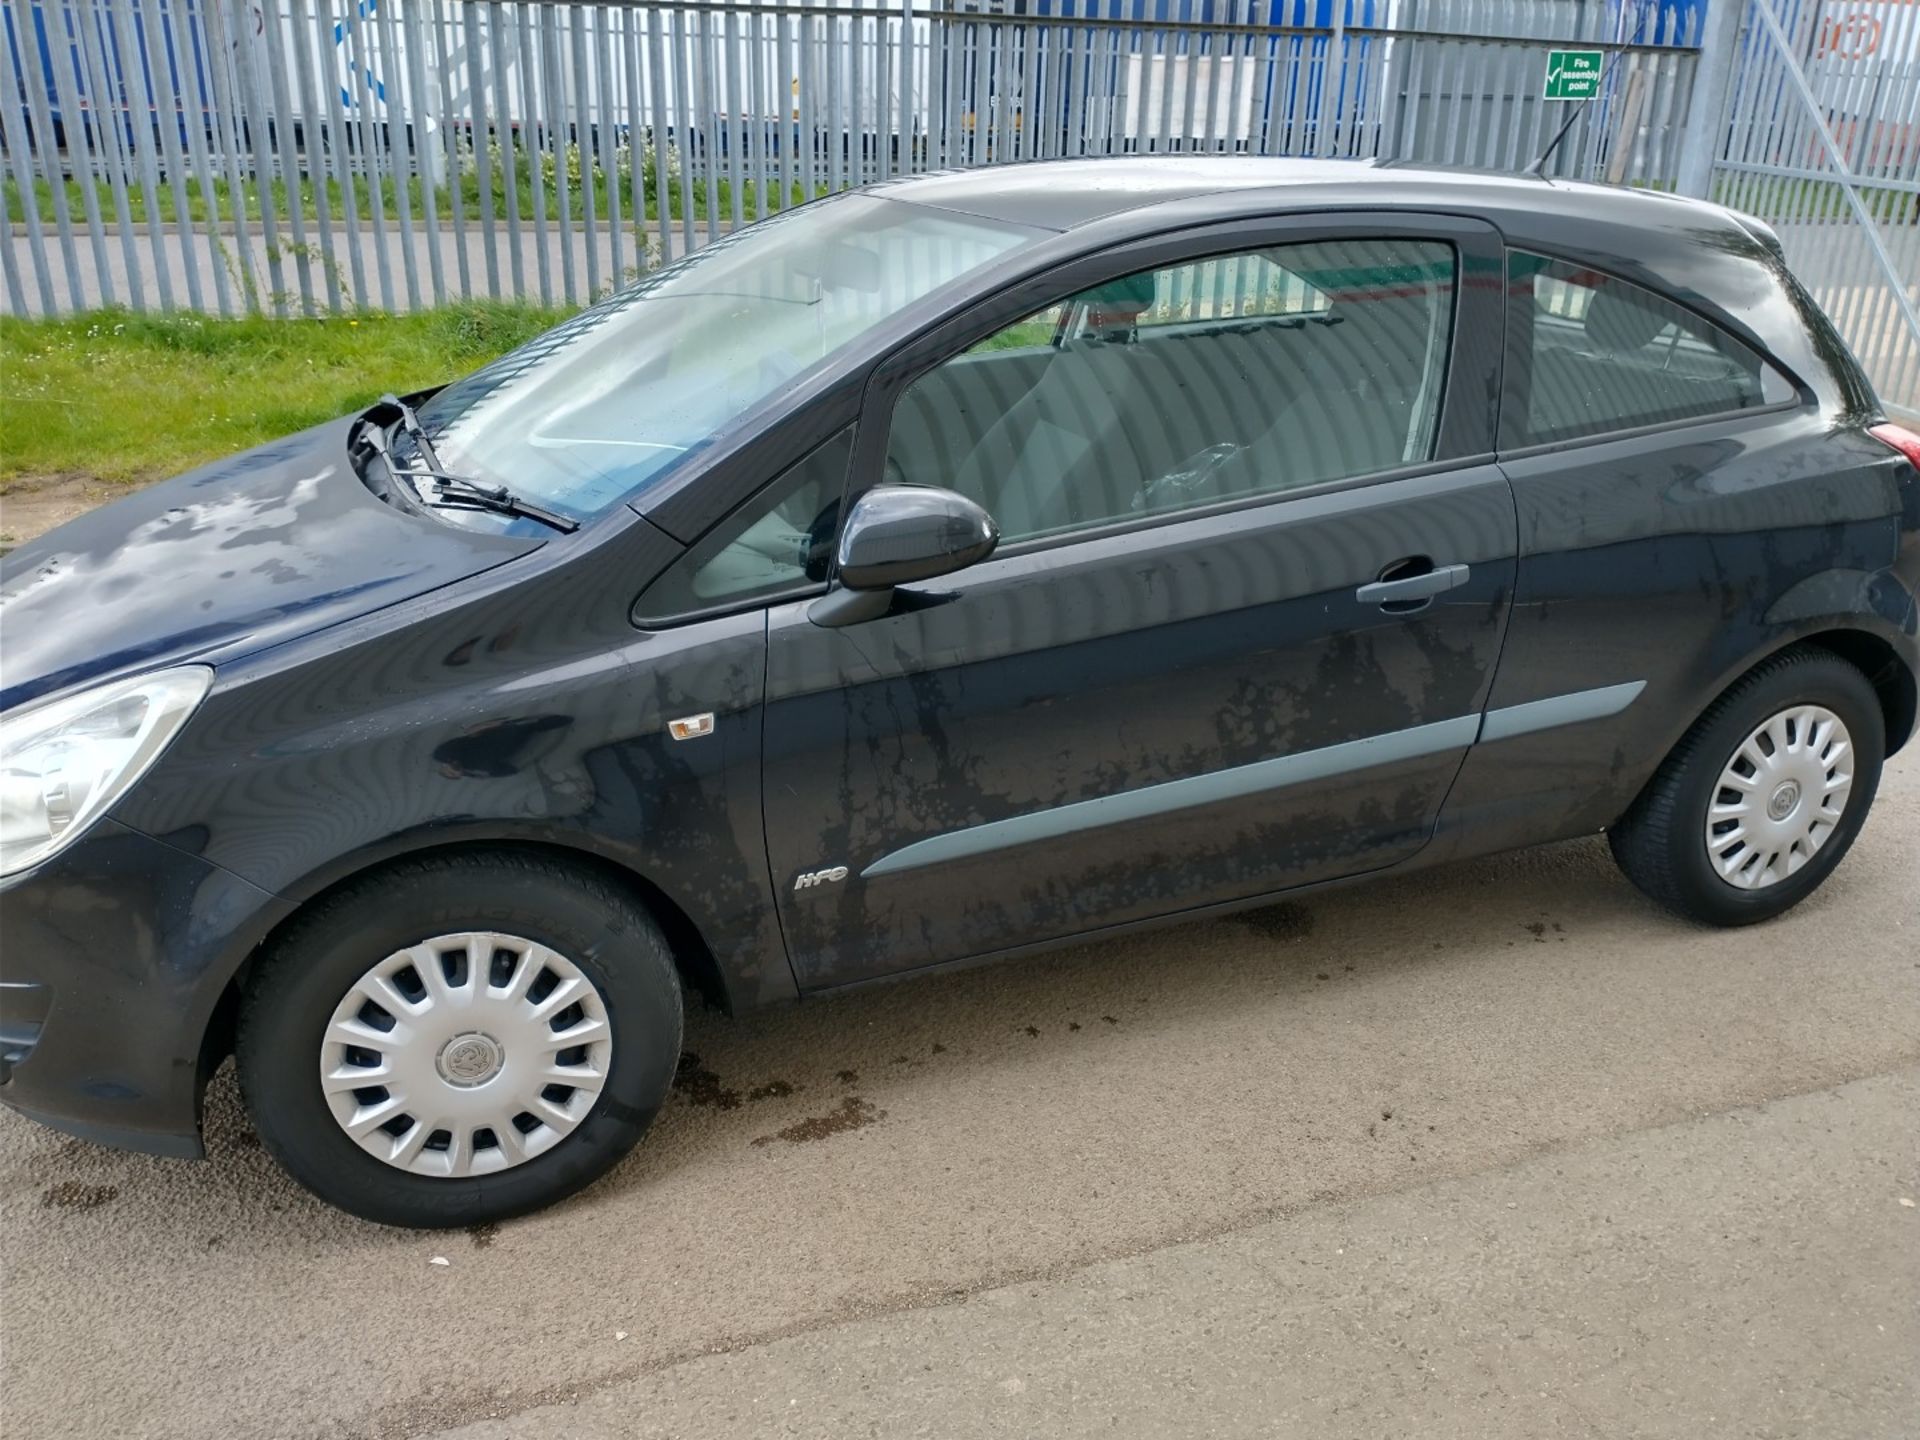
1276, 774
1170, 795
1557, 710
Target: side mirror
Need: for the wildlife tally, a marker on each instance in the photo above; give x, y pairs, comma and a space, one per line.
897, 535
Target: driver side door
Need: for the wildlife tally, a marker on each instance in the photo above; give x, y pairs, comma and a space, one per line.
1254, 576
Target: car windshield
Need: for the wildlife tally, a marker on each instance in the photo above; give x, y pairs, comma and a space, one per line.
613, 399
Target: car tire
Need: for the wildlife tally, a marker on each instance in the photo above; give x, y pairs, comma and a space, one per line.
531, 953
1703, 867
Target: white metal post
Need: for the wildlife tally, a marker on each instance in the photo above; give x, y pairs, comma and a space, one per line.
1706, 125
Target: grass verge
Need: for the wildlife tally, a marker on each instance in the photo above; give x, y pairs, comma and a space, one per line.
129, 398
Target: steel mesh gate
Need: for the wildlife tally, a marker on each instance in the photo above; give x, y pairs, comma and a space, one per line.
1822, 141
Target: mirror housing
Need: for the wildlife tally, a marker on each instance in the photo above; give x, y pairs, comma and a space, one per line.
898, 535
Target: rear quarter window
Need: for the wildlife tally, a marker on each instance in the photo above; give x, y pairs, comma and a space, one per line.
1589, 353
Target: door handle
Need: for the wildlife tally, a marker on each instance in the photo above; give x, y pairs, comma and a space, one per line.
1403, 585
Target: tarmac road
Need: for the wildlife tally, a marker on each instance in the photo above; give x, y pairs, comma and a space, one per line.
1494, 1150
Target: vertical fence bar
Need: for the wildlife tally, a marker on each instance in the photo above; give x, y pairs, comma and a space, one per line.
16, 294
1241, 58
851, 124
627, 58
908, 162
681, 62
833, 172
20, 149
1169, 52
532, 148
786, 101
664, 145
1270, 102
40, 86
953, 61
729, 94
329, 39
256, 111
316, 147
607, 75
127, 33
953, 141
422, 114
505, 34
1082, 129
446, 31
882, 97
754, 113
287, 158
363, 95
803, 136
93, 171
996, 108
586, 127
707, 121
977, 101
555, 126
486, 55
399, 142
220, 46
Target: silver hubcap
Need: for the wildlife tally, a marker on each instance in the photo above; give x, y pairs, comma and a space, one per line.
1780, 797
466, 1054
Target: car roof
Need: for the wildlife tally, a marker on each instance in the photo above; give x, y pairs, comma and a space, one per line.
1066, 194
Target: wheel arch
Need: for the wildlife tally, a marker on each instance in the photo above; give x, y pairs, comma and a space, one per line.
699, 970
1856, 640
1892, 678
1860, 640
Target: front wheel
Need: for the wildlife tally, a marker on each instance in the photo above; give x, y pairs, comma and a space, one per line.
1763, 797
460, 1039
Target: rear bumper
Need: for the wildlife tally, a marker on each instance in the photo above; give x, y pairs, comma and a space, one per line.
113, 958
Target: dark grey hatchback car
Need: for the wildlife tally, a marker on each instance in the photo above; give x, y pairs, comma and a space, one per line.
939, 571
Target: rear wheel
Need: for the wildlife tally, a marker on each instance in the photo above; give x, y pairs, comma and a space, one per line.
1763, 797
460, 1038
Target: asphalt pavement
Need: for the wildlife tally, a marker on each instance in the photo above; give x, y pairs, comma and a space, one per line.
1494, 1150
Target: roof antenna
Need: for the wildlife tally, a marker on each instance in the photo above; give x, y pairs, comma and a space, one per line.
1537, 169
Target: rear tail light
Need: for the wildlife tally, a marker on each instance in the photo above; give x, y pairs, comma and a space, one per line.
1900, 438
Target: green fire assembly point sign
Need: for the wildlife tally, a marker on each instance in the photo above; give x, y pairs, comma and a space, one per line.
1573, 74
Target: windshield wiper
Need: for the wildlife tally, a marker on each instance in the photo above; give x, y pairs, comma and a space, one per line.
410, 422
457, 492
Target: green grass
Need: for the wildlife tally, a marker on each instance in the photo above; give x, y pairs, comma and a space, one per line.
130, 398
1780, 200
706, 200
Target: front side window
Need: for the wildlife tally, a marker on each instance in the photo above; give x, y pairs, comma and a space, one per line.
1590, 353
778, 542
1211, 380
613, 399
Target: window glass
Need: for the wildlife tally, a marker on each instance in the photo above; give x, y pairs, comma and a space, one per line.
1211, 380
609, 402
1594, 353
1232, 286
779, 541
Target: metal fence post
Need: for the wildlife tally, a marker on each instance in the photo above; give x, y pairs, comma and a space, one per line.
1706, 122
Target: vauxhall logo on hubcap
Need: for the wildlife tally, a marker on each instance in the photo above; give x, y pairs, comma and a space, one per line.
471, 1059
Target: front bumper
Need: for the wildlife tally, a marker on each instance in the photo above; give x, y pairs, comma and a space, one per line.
113, 958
